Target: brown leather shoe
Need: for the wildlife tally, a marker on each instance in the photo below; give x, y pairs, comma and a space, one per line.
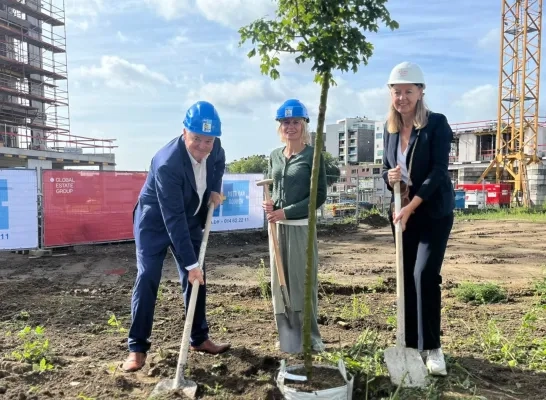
134, 362
208, 347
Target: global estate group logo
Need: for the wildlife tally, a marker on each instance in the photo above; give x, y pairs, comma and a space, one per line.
63, 185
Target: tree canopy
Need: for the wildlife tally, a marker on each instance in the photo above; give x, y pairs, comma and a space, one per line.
255, 164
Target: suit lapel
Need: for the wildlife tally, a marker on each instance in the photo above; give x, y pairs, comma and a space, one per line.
412, 139
188, 167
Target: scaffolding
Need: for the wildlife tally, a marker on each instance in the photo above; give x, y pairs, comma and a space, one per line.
33, 75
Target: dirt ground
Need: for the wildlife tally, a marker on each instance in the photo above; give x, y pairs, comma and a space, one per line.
75, 293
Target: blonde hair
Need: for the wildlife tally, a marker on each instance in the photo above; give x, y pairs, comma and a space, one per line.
420, 120
305, 135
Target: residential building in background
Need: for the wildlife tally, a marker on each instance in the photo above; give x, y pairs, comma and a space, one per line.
313, 140
361, 182
352, 140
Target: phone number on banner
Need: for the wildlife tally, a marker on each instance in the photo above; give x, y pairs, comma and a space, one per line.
234, 220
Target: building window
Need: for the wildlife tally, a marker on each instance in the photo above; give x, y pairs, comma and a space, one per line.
376, 171
380, 152
379, 135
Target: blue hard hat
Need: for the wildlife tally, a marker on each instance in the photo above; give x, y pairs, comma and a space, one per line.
202, 118
292, 108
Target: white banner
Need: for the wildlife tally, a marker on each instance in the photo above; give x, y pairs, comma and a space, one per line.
242, 206
18, 209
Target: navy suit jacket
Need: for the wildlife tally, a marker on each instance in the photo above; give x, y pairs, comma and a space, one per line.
429, 173
164, 213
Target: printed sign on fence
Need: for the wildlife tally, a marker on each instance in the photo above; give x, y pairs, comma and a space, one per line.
89, 206
82, 207
242, 206
18, 209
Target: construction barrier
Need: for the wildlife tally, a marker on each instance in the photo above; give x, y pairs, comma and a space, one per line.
242, 206
85, 207
82, 207
18, 209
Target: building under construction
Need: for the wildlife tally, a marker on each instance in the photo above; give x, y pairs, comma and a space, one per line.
34, 103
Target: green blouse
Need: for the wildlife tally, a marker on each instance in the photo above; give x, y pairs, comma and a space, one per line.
292, 182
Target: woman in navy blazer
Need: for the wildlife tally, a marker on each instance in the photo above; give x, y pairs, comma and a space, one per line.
417, 143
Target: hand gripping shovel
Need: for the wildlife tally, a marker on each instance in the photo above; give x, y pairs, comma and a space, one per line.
405, 365
189, 388
289, 324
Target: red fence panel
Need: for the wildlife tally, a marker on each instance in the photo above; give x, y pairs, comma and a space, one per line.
89, 206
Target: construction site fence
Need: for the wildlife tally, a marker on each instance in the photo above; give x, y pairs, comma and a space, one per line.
61, 208
46, 208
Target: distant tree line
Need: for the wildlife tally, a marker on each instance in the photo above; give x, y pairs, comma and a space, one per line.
257, 164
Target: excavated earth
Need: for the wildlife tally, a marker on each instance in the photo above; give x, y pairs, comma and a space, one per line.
76, 292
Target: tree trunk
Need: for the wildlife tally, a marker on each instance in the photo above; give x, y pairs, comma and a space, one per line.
307, 310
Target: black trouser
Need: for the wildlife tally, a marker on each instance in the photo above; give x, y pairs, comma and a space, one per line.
424, 245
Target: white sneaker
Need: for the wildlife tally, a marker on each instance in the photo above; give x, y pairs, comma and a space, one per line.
436, 363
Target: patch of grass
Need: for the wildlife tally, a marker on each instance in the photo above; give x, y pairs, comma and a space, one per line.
356, 310
480, 293
525, 348
365, 361
498, 214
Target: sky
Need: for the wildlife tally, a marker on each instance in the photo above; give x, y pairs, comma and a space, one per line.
135, 66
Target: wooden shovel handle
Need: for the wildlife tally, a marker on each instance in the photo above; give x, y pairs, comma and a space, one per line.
276, 250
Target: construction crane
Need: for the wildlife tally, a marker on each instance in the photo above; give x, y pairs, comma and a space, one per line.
519, 84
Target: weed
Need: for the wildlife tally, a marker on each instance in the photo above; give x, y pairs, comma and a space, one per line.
521, 349
263, 281
114, 322
35, 348
358, 309
81, 396
480, 293
379, 285
160, 292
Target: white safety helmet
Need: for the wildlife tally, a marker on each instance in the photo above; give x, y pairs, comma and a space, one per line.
407, 72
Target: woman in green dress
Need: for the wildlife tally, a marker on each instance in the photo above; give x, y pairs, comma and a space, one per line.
290, 168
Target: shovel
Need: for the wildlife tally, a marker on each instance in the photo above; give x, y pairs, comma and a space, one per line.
289, 325
188, 387
405, 365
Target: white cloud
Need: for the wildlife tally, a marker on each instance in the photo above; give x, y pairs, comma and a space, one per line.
179, 39
235, 13
122, 38
119, 73
83, 8
243, 96
82, 25
479, 103
169, 9
490, 41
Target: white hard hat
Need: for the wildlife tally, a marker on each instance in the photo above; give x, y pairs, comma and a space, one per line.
406, 72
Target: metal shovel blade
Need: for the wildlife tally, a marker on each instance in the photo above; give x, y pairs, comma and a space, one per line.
406, 367
290, 335
187, 387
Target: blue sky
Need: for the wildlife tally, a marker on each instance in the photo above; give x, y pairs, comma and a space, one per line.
135, 67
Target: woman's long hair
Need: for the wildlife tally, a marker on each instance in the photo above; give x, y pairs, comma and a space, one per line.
420, 120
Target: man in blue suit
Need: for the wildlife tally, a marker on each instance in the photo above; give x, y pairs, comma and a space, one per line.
185, 177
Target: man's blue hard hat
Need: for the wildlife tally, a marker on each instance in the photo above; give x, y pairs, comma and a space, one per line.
203, 119
292, 108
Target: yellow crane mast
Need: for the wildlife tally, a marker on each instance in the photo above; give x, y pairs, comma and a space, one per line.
518, 100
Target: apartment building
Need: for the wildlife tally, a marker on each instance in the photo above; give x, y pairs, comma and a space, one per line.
352, 140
